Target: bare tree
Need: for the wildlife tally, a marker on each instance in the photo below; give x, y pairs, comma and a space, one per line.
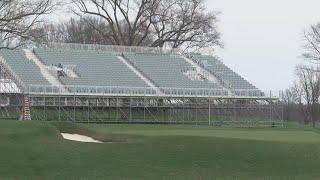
128, 20
309, 86
291, 95
186, 24
312, 43
182, 24
306, 91
18, 18
73, 31
294, 104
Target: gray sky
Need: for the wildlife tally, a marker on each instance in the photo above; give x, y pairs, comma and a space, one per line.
263, 38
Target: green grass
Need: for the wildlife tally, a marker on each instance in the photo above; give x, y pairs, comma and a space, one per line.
35, 150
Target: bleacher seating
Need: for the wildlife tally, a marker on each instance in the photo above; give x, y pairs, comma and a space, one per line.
171, 73
24, 68
95, 68
224, 73
167, 71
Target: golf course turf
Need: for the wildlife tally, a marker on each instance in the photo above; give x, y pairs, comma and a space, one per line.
35, 150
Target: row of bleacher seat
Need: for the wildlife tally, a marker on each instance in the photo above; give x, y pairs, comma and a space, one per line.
24, 68
168, 71
94, 68
224, 73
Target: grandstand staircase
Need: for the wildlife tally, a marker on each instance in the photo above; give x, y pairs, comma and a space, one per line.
44, 71
211, 77
26, 109
132, 67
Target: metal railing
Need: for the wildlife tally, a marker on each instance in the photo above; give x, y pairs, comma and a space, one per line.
109, 48
146, 91
8, 86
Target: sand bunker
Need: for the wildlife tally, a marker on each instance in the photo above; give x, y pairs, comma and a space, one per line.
79, 138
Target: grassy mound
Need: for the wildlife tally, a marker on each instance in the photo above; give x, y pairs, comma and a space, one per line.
35, 150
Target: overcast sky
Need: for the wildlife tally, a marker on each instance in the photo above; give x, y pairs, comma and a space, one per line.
263, 38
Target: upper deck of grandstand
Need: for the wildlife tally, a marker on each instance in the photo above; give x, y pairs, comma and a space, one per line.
119, 70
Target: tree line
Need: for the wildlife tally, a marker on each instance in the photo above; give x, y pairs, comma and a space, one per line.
184, 24
304, 95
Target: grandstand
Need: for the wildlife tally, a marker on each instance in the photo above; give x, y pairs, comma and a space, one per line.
115, 84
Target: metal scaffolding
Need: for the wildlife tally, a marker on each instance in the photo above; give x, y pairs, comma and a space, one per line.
83, 104
11, 96
157, 110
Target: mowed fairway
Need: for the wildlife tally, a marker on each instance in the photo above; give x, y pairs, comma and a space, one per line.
35, 150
